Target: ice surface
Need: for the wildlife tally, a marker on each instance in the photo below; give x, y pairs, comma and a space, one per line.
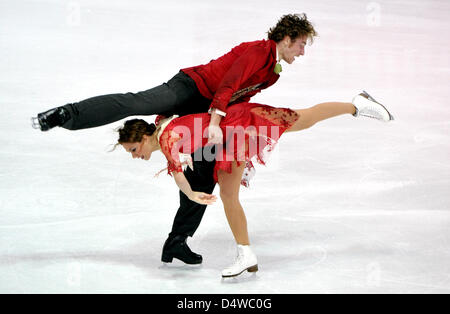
348, 206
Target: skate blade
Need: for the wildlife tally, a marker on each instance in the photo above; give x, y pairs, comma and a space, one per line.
35, 123
251, 269
391, 117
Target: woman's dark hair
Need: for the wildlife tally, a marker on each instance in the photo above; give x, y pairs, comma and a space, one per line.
133, 131
294, 26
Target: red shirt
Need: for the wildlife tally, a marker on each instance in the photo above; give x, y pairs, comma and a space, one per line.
237, 75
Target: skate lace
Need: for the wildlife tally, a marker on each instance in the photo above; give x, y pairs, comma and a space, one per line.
371, 112
237, 261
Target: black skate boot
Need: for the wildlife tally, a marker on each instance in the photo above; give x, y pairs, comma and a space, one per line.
177, 248
51, 118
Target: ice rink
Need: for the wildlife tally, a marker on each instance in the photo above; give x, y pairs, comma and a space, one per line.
348, 206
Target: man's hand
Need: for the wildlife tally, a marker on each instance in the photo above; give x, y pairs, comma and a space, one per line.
215, 135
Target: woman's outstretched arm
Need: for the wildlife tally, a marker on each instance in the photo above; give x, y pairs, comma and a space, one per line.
185, 187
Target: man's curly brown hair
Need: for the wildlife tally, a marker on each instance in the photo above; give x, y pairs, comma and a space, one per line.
293, 25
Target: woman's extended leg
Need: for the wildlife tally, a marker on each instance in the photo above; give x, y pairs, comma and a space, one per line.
362, 105
310, 116
229, 193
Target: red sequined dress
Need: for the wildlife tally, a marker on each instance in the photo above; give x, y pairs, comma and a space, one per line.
250, 130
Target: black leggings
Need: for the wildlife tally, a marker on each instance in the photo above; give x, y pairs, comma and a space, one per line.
179, 96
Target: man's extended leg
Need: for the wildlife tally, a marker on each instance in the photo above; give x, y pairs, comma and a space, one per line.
169, 98
101, 110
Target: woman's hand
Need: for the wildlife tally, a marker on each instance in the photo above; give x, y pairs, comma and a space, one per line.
198, 197
202, 198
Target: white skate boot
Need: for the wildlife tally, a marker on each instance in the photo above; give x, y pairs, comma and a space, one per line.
367, 106
245, 261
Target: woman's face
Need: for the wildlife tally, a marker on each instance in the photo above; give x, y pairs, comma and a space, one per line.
140, 149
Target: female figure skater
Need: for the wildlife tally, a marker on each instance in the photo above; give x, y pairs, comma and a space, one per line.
235, 77
257, 128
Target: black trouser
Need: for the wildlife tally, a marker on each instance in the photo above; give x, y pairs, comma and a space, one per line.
179, 96
190, 214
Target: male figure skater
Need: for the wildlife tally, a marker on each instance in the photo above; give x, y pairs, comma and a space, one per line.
234, 77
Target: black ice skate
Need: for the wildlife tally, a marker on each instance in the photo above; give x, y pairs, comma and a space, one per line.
51, 118
177, 248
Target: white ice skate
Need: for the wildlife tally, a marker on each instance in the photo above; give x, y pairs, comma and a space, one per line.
367, 106
245, 261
